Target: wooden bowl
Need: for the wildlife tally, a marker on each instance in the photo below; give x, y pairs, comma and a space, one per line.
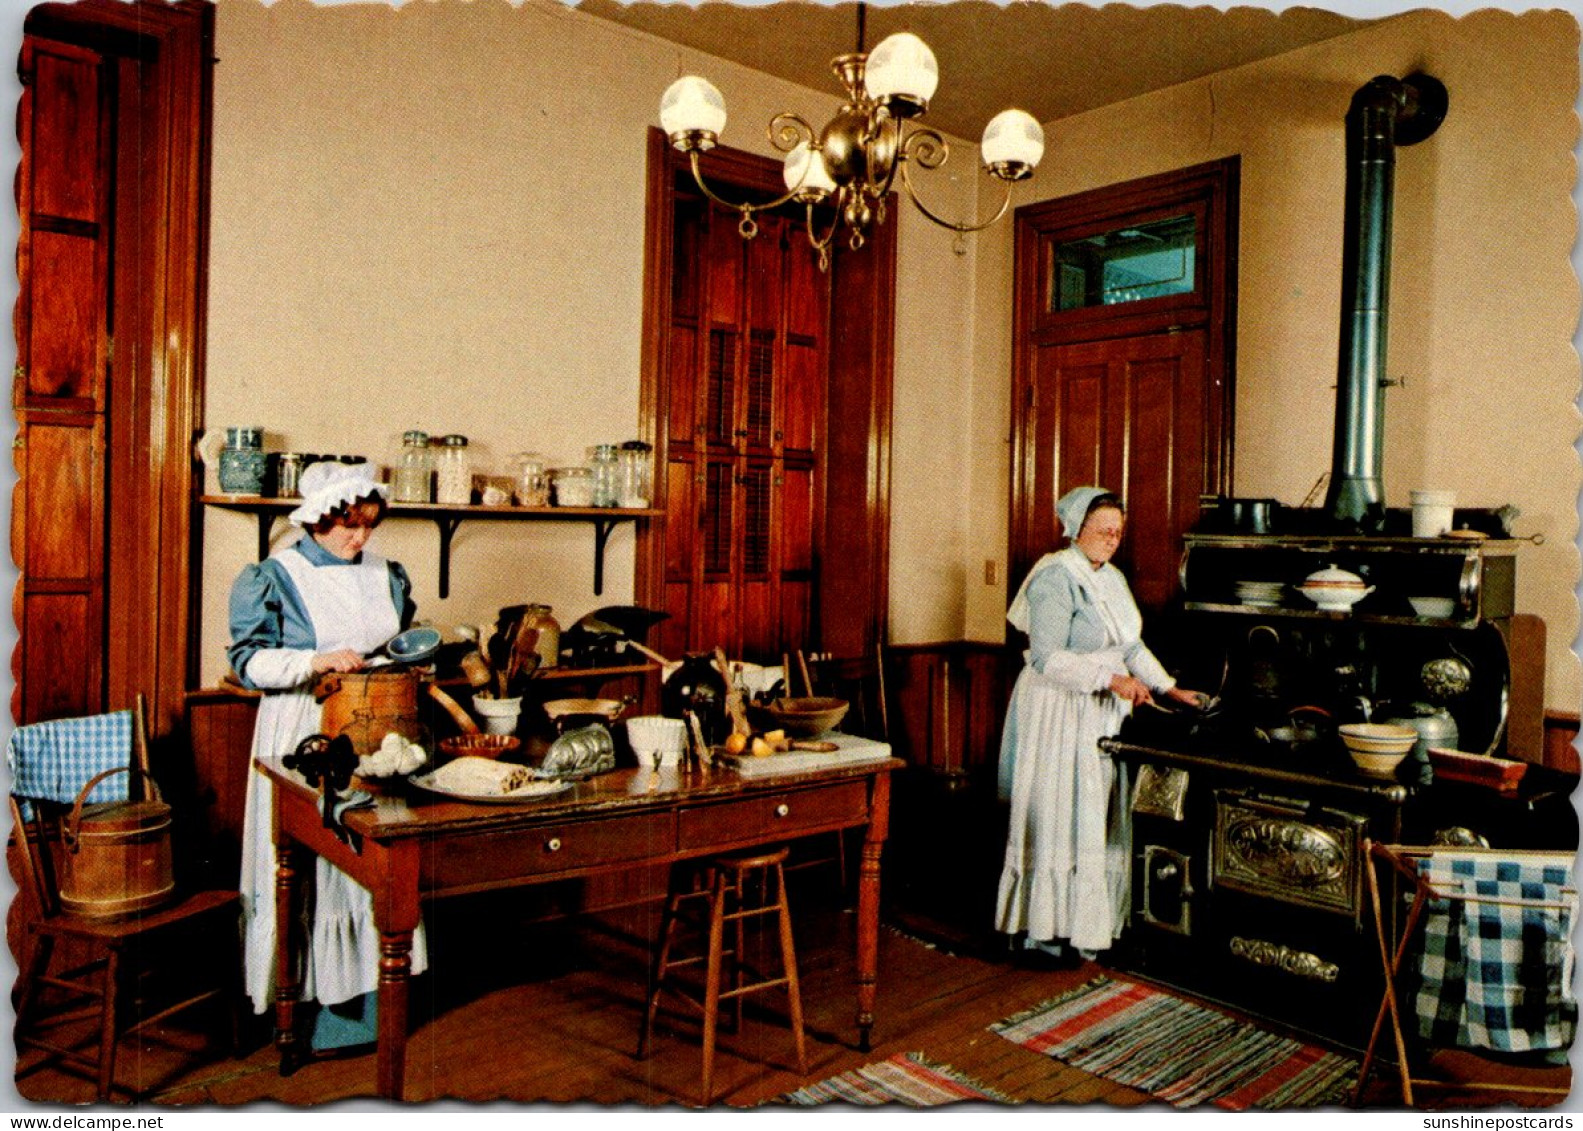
800, 718
479, 745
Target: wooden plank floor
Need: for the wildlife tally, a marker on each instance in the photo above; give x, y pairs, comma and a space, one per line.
550, 1013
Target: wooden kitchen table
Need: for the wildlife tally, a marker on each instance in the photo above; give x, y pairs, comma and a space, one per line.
411, 846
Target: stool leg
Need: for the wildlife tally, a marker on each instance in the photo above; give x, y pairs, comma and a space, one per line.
107, 1041
789, 960
712, 983
657, 974
737, 957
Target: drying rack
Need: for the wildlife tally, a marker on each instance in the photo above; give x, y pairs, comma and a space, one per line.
1400, 858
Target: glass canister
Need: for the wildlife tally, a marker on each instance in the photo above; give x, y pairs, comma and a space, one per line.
288, 470
453, 472
243, 461
414, 469
634, 486
532, 480
574, 486
606, 470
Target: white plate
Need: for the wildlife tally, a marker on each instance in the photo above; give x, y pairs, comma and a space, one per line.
533, 791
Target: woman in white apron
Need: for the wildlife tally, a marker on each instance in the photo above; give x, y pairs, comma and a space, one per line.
1065, 884
319, 605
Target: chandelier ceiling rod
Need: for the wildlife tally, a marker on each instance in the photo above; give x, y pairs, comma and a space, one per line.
852, 163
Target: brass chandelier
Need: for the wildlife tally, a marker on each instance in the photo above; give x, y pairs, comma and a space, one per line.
854, 160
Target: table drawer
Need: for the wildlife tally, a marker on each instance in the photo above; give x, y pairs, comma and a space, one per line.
485, 858
768, 816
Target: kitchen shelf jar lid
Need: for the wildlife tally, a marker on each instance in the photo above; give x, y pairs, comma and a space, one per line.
415, 436
454, 440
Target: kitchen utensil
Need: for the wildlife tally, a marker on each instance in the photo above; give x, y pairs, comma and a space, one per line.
697, 685
1432, 511
733, 700
477, 670
414, 646
453, 708
607, 709
365, 706
118, 857
657, 739
479, 745
500, 714
579, 754
1446, 678
803, 717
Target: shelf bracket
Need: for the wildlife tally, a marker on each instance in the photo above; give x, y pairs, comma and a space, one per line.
447, 524
602, 530
266, 523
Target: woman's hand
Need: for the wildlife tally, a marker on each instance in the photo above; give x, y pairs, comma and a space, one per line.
1194, 699
1131, 689
344, 660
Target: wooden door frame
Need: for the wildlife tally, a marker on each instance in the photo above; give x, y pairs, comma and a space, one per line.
160, 287
1213, 185
863, 356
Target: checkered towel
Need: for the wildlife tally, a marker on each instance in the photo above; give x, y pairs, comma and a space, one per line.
1497, 975
52, 761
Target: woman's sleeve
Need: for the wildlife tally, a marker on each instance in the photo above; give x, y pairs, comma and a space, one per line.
257, 652
1150, 672
1051, 601
401, 594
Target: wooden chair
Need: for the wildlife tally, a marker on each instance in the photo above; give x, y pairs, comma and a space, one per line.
731, 890
86, 963
1396, 946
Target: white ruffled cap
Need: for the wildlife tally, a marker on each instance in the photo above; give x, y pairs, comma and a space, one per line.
327, 486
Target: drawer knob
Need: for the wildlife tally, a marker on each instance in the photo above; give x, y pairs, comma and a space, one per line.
782, 810
553, 844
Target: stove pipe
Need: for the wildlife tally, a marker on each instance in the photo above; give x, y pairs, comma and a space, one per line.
1385, 112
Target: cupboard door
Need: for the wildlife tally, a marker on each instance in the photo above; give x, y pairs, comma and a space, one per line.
59, 393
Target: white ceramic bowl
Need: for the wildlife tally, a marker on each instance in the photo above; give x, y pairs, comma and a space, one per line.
1438, 607
656, 734
1377, 738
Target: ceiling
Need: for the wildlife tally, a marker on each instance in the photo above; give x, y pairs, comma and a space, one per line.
1052, 61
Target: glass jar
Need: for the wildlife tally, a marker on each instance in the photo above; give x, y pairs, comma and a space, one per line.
633, 481
548, 644
602, 461
532, 484
574, 486
243, 461
453, 472
414, 469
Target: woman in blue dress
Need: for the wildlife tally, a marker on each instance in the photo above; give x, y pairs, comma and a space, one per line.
319, 605
1065, 883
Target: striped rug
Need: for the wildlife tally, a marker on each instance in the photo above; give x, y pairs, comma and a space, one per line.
906, 1078
1180, 1052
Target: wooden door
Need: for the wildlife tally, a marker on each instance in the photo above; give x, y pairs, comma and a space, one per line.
60, 391
1125, 305
1125, 413
112, 203
764, 485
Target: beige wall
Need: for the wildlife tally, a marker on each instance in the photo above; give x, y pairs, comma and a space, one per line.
431, 217
1484, 300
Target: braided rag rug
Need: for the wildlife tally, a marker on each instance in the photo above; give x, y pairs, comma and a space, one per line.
906, 1078
1178, 1051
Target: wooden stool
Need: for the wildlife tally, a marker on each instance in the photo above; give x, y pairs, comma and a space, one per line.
726, 886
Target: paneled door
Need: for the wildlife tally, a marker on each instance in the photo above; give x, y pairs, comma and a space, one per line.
1123, 349
1126, 413
111, 195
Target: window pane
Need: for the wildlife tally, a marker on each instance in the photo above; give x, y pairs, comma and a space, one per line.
1125, 265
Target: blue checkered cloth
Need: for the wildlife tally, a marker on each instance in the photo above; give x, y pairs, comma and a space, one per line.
52, 761
1497, 975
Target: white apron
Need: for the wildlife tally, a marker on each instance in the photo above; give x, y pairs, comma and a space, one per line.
350, 607
1067, 870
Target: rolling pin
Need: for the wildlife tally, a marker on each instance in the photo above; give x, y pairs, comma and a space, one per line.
454, 709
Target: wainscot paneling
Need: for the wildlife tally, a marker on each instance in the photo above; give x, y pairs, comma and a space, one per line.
948, 704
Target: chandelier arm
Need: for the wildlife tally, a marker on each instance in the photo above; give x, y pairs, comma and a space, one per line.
1005, 203
787, 131
748, 226
896, 149
813, 237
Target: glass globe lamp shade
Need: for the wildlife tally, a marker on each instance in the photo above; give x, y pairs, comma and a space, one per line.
692, 111
902, 73
805, 174
1013, 144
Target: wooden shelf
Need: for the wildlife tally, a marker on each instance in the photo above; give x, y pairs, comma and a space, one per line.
446, 519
